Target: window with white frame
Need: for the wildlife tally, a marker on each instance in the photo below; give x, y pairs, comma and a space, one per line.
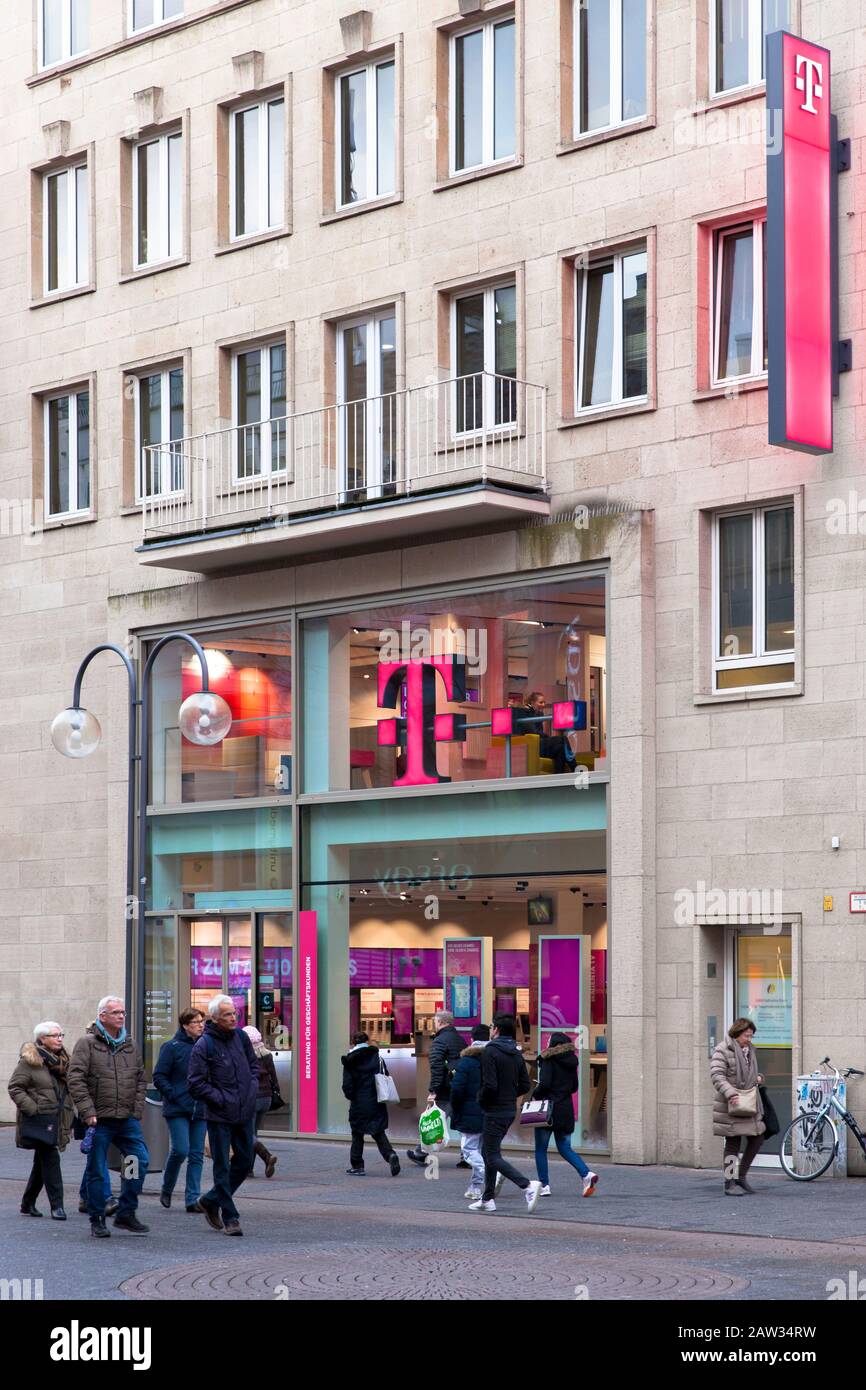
365, 141
145, 14
482, 97
63, 30
65, 229
610, 63
158, 430
257, 155
259, 403
67, 454
367, 401
739, 302
611, 330
484, 357
738, 30
753, 597
157, 199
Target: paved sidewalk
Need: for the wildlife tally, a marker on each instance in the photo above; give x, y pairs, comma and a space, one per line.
648, 1233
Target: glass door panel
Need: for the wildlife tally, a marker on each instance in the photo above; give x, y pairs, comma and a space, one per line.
763, 994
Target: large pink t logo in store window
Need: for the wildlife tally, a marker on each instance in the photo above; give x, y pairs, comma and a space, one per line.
422, 728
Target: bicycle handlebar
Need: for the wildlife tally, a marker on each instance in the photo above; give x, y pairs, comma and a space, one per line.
849, 1071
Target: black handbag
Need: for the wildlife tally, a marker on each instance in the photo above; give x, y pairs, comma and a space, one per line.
771, 1119
277, 1101
39, 1129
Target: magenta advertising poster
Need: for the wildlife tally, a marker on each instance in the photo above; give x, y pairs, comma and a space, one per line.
511, 969
276, 967
308, 1060
559, 981
416, 969
205, 967
369, 969
598, 987
463, 981
240, 968
404, 1012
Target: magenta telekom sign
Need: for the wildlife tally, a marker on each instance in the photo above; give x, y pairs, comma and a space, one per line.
421, 728
804, 354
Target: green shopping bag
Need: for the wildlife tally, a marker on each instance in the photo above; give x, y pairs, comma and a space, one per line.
433, 1128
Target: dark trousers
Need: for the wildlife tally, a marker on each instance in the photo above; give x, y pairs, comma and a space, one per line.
229, 1172
496, 1125
263, 1105
45, 1173
381, 1140
732, 1148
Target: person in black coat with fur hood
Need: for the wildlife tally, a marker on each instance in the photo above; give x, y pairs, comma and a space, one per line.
557, 1082
367, 1114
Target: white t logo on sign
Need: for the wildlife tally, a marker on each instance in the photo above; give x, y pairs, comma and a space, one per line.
811, 83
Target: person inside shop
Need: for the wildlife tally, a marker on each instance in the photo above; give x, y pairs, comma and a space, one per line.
183, 1115
367, 1113
41, 1097
553, 746
445, 1050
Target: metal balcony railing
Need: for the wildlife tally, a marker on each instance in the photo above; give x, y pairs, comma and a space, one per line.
481, 428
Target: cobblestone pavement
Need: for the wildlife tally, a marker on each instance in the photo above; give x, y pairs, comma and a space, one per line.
312, 1233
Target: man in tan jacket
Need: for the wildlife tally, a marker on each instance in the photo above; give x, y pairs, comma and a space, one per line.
106, 1082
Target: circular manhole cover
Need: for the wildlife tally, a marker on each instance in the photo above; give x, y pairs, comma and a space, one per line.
345, 1272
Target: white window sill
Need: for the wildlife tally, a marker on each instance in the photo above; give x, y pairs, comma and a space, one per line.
606, 412
608, 132
58, 296
254, 239
734, 387
55, 523
484, 171
387, 200
745, 693
155, 269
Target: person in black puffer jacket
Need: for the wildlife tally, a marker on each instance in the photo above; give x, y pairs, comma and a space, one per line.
183, 1115
367, 1114
557, 1082
466, 1113
224, 1073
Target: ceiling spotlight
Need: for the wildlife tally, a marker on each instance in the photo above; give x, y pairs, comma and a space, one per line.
363, 892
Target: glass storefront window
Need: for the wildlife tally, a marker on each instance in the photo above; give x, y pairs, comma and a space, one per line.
529, 648
160, 999
406, 894
217, 861
251, 668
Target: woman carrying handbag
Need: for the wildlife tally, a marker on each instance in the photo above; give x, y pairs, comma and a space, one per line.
557, 1083
45, 1111
738, 1109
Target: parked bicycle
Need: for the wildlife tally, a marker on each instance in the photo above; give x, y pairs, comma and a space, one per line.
811, 1141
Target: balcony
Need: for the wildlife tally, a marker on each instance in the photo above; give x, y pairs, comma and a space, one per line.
466, 452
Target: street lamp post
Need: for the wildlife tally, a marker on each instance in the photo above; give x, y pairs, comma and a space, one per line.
204, 718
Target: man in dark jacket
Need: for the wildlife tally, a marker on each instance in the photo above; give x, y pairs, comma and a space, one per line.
504, 1079
466, 1113
224, 1073
445, 1049
107, 1086
183, 1115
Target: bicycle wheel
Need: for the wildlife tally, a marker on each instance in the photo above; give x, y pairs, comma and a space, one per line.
807, 1149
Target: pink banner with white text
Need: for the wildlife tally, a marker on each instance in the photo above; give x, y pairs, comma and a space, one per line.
306, 988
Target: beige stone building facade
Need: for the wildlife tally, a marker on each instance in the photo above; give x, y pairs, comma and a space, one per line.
315, 321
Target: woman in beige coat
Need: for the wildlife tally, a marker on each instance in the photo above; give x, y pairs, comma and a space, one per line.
734, 1068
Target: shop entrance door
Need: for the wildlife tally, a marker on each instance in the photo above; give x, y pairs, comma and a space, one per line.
224, 954
759, 987
220, 962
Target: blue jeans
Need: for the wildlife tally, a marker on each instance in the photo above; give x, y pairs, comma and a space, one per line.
563, 1144
126, 1135
187, 1145
229, 1172
82, 1191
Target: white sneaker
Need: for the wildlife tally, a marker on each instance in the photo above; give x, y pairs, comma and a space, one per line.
481, 1205
473, 1192
532, 1194
545, 1192
589, 1184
